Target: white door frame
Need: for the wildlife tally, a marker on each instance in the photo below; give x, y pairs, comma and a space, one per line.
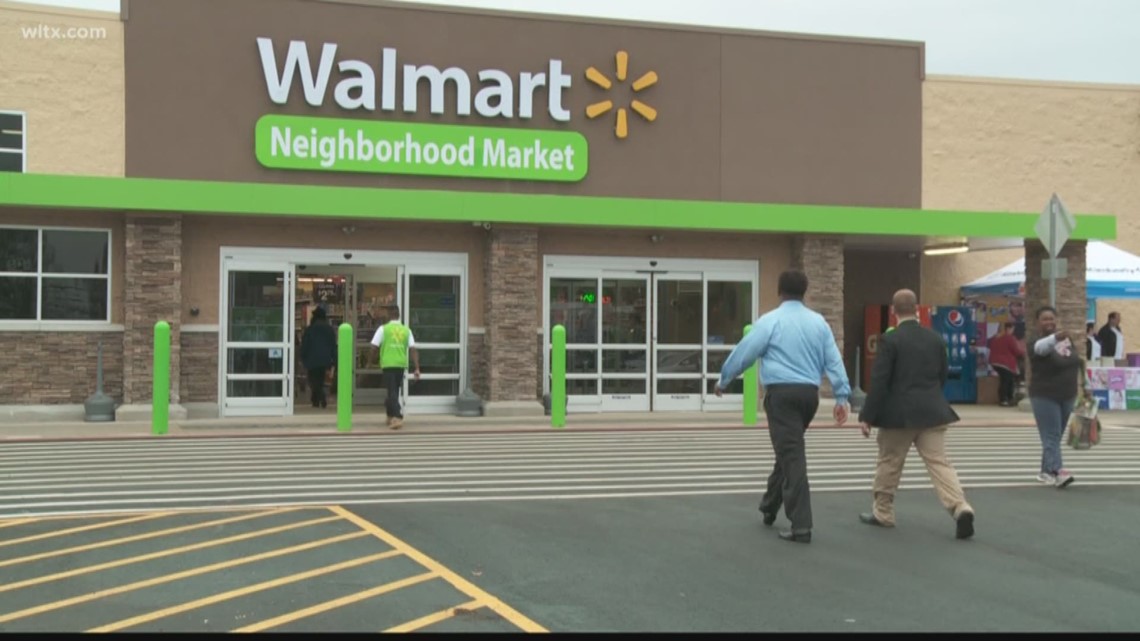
422, 263
600, 267
262, 406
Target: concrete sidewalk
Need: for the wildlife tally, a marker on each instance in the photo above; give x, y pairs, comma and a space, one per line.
371, 422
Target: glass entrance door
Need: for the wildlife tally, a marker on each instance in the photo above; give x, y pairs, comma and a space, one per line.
257, 338
638, 341
624, 304
433, 309
373, 290
678, 349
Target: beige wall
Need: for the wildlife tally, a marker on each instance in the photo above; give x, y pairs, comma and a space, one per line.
1008, 145
203, 237
72, 89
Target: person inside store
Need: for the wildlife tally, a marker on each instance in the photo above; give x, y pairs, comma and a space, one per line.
1092, 343
1111, 338
318, 353
1006, 352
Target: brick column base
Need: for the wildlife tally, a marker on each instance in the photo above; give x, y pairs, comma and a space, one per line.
821, 259
153, 274
511, 314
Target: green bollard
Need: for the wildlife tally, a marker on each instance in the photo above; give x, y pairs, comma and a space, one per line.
558, 376
345, 365
751, 390
160, 393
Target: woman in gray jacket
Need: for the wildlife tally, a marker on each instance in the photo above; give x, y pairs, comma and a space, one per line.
1055, 366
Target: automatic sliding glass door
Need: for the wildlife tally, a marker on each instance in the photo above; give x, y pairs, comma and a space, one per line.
257, 339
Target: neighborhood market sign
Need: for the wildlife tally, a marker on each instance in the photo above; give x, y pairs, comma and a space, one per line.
416, 148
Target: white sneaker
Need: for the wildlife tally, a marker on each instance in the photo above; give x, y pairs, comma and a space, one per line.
1064, 479
1046, 478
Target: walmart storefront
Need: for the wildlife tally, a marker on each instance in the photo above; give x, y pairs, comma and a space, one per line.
493, 175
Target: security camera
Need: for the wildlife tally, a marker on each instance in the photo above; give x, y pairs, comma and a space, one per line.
487, 226
652, 263
348, 255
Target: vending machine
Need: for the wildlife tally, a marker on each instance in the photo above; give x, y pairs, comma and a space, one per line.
877, 319
958, 330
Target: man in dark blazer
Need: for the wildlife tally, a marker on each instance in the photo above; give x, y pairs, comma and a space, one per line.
908, 406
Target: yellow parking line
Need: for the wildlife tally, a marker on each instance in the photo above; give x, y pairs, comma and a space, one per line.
336, 603
454, 579
86, 528
4, 524
138, 585
164, 553
137, 537
435, 617
259, 587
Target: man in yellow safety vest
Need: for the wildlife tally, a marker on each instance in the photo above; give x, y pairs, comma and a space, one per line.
394, 341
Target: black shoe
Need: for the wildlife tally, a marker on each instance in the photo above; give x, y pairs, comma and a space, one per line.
324, 404
769, 517
870, 519
796, 537
965, 527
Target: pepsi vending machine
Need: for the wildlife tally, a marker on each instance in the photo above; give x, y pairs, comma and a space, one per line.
957, 327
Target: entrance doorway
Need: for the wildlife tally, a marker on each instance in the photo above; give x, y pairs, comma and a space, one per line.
359, 296
649, 339
267, 299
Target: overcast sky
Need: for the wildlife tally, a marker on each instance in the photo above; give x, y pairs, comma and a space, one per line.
1078, 40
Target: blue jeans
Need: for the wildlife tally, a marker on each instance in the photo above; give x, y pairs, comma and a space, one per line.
1052, 417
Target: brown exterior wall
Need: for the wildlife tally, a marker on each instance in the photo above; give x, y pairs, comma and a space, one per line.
741, 117
1008, 145
199, 367
70, 88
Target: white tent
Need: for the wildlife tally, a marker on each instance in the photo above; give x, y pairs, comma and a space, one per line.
1109, 272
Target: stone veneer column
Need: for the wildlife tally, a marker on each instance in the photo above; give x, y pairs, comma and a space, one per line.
511, 314
1072, 303
153, 293
821, 258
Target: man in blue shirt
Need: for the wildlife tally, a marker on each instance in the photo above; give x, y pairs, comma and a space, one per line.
796, 348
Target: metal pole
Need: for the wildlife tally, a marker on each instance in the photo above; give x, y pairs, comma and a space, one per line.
558, 376
160, 394
751, 390
1053, 259
344, 376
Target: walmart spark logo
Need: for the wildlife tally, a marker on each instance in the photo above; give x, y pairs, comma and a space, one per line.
647, 80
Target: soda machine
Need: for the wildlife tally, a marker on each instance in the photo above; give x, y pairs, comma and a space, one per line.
957, 328
876, 320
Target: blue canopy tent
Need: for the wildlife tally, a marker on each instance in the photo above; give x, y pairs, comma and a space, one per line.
1109, 273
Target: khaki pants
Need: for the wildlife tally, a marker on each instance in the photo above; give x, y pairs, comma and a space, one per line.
894, 445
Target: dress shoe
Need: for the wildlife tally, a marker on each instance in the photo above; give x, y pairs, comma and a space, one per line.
965, 527
870, 519
796, 537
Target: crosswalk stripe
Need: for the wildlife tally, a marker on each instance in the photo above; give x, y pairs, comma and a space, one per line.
133, 476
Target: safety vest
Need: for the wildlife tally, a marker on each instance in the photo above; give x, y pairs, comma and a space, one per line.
394, 347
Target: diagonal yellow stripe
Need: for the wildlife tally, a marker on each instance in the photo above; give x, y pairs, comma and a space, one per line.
647, 112
336, 603
138, 537
8, 587
463, 585
647, 80
599, 108
433, 618
16, 522
251, 589
139, 585
85, 528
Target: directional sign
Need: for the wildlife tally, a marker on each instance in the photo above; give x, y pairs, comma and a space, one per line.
1055, 226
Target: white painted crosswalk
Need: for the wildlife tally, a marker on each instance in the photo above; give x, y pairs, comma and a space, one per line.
81, 477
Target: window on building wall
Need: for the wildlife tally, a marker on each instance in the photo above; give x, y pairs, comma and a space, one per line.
50, 274
13, 151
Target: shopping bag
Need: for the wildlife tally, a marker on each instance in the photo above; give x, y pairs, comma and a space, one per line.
1084, 426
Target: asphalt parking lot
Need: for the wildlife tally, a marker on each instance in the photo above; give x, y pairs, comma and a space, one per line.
285, 570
